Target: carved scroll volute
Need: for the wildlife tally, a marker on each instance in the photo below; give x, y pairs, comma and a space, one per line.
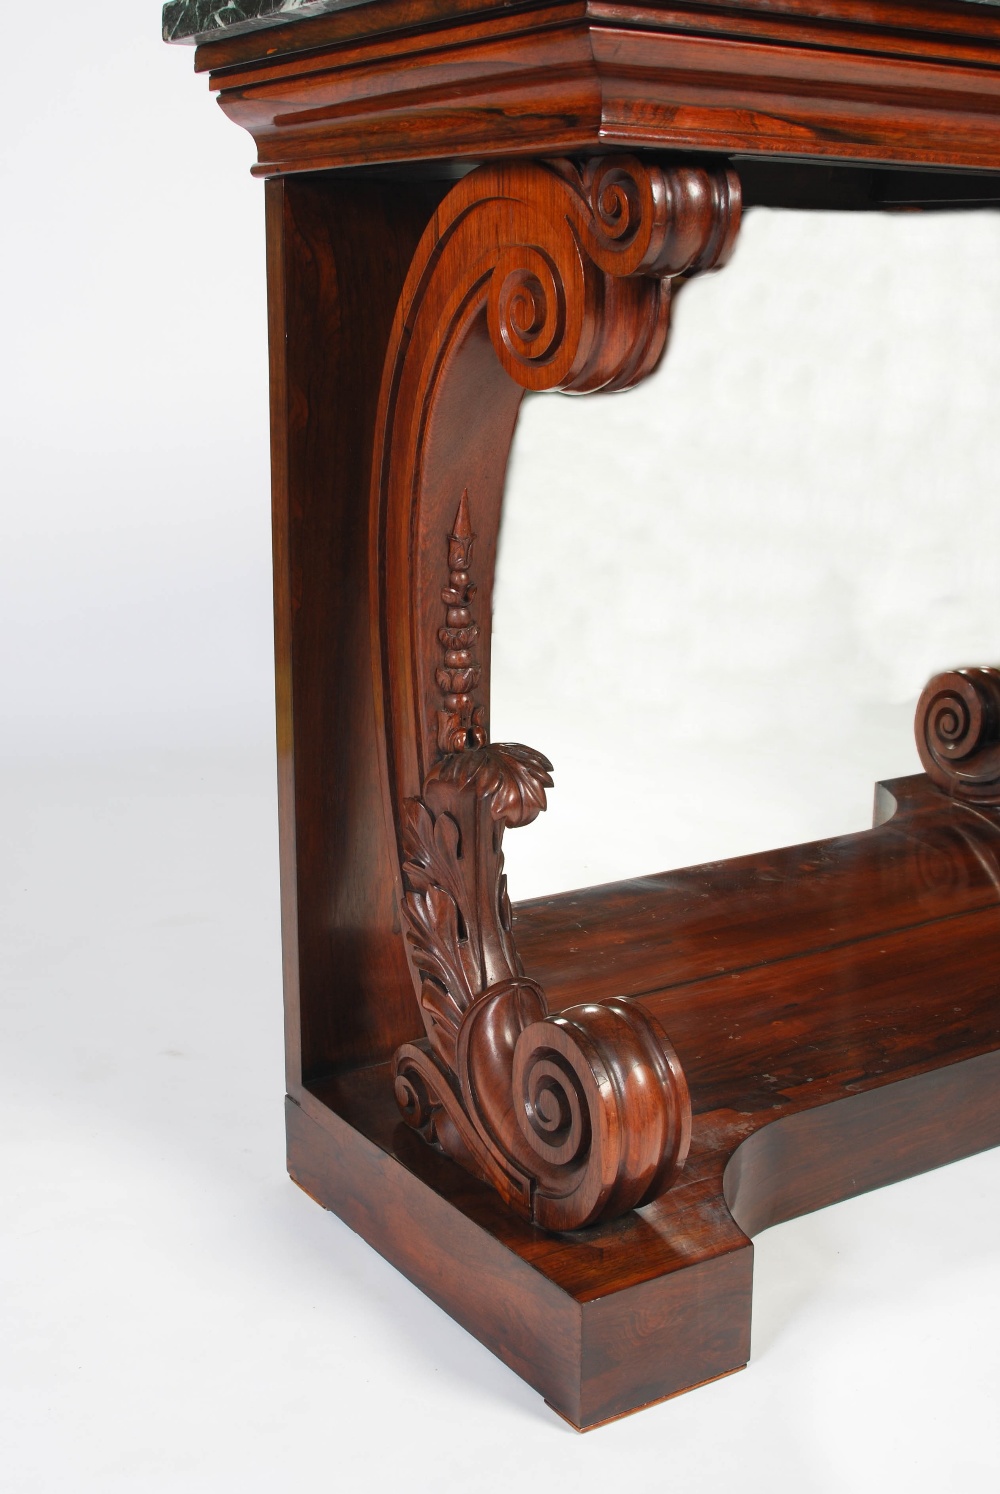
590, 310
957, 729
532, 276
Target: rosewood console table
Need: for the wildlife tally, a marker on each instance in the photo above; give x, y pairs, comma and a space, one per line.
564, 1120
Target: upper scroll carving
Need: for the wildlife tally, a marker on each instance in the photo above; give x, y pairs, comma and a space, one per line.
532, 275
580, 300
566, 271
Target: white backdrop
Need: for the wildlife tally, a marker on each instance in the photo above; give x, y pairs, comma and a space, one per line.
719, 596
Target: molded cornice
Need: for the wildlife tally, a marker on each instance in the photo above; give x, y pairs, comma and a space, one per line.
803, 79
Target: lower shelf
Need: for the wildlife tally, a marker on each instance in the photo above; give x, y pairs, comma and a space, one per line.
836, 1008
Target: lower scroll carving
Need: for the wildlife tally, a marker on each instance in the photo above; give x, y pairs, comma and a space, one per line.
573, 1117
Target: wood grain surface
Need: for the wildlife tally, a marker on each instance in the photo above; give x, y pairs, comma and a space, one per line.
836, 1008
337, 258
764, 1036
538, 276
396, 82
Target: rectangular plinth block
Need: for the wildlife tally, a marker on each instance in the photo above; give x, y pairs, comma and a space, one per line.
592, 1358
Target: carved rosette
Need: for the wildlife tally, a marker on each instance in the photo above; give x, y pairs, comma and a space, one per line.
957, 729
580, 1115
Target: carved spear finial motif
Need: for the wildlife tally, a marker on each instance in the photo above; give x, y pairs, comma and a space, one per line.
455, 905
461, 723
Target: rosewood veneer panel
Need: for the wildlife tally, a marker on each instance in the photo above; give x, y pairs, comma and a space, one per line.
337, 257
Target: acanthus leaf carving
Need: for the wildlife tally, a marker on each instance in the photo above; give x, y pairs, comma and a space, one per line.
512, 778
539, 1105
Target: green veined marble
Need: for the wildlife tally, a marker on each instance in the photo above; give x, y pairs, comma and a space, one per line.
194, 20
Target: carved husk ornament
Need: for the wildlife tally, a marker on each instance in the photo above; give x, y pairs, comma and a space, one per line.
579, 1115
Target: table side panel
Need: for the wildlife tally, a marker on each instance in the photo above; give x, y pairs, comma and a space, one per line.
338, 254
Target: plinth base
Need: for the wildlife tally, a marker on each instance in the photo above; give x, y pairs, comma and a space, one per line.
836, 1009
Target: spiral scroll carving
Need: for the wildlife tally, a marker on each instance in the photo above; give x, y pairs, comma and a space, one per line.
559, 275
580, 300
601, 1098
958, 733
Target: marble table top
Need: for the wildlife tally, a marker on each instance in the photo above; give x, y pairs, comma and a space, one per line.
198, 20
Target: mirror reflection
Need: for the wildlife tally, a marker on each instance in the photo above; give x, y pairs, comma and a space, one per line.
720, 594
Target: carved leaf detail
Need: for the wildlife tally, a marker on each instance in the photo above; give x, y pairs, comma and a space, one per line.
443, 957
438, 918
431, 848
446, 840
418, 838
443, 1016
505, 926
514, 778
